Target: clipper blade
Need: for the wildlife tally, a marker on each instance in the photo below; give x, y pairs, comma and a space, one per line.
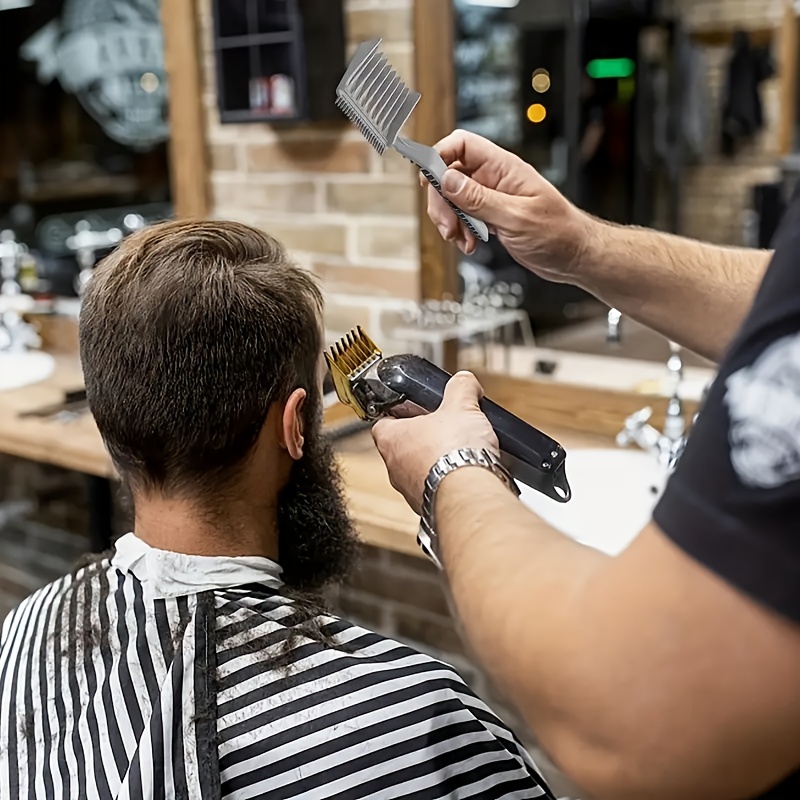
348, 360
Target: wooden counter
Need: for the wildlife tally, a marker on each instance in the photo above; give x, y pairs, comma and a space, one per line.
382, 517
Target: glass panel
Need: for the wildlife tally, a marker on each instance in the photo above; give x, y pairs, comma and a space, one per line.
236, 73
272, 16
232, 15
83, 127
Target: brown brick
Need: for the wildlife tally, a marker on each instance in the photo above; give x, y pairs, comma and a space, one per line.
360, 609
438, 633
299, 196
397, 283
223, 157
309, 155
373, 555
417, 564
388, 240
340, 318
364, 197
393, 163
310, 237
392, 24
423, 592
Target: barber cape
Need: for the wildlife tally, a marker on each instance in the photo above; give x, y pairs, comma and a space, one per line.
160, 675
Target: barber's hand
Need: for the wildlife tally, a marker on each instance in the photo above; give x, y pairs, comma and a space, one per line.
410, 447
538, 226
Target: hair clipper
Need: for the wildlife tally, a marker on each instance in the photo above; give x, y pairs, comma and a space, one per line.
408, 386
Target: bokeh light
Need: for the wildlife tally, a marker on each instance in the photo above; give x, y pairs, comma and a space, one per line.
541, 81
537, 113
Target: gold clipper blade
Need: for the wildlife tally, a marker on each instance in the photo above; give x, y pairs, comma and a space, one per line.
348, 360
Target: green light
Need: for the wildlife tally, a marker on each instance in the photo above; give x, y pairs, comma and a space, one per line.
610, 68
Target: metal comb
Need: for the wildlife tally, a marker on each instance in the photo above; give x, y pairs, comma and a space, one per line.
373, 97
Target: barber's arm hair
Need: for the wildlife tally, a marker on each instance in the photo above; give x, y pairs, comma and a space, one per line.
645, 677
693, 293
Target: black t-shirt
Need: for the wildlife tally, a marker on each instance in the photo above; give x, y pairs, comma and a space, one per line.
734, 500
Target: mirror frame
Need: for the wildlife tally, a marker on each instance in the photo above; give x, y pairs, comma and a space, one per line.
188, 150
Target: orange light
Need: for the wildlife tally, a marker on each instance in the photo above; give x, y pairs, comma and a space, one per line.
537, 113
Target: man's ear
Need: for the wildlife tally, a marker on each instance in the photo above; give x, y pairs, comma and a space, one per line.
292, 428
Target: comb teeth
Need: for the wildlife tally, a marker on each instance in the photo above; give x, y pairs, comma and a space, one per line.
354, 353
373, 97
352, 114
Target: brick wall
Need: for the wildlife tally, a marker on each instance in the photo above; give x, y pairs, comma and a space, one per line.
343, 211
719, 191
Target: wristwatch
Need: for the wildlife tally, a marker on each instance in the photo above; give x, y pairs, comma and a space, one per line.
427, 537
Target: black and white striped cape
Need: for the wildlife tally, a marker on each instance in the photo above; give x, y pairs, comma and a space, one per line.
106, 694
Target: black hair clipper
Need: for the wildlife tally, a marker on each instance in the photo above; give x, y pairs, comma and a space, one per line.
407, 386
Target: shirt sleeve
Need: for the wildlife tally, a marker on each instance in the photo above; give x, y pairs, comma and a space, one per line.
733, 502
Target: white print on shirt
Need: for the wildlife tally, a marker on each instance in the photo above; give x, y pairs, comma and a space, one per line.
764, 405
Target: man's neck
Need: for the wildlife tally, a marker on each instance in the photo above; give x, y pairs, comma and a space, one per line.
180, 527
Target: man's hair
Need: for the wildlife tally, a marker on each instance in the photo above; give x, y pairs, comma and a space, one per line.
189, 332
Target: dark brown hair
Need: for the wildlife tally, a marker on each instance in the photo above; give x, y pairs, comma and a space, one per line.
189, 332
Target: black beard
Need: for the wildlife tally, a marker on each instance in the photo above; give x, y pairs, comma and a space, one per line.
317, 542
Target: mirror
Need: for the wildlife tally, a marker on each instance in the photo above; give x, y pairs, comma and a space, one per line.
634, 110
83, 131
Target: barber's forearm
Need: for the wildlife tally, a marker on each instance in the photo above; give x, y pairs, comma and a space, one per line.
693, 293
518, 587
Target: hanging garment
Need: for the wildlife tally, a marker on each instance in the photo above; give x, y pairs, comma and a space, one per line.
742, 111
691, 120
695, 113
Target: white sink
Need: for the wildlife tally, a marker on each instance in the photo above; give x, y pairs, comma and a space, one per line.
613, 496
23, 369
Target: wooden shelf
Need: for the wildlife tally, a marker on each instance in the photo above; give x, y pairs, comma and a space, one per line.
91, 186
297, 45
761, 37
246, 116
256, 40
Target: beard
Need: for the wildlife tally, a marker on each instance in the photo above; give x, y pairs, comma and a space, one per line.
317, 541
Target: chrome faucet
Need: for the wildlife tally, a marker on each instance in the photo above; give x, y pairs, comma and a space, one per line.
614, 335
667, 445
85, 243
675, 425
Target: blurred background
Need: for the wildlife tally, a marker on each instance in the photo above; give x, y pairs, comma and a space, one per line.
666, 113
680, 115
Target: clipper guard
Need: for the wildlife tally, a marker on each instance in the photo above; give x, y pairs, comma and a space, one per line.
407, 386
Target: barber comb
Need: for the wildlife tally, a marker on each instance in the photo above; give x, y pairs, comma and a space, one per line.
409, 386
374, 98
